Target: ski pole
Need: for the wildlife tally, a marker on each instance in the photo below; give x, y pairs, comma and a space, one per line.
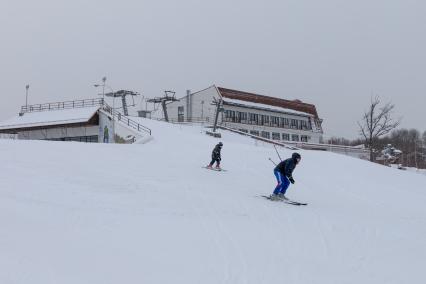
277, 153
272, 161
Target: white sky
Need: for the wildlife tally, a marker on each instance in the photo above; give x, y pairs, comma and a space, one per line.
334, 54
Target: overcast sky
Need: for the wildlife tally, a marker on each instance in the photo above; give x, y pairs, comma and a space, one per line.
331, 53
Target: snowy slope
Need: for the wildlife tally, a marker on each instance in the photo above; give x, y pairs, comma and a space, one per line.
103, 213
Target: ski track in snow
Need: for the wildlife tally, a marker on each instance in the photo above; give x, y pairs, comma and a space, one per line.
227, 243
211, 234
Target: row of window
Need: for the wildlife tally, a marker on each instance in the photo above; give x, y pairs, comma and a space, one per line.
278, 136
89, 139
267, 120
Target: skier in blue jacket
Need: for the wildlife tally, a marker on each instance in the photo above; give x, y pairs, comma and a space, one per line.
284, 174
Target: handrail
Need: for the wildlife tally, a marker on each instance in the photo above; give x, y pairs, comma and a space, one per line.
62, 105
299, 144
122, 118
186, 120
131, 123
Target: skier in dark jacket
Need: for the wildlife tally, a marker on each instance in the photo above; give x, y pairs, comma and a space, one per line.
216, 156
284, 174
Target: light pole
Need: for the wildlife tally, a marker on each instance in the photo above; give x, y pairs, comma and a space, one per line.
113, 104
26, 96
103, 87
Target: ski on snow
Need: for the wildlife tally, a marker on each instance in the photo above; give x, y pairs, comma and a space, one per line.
215, 169
292, 202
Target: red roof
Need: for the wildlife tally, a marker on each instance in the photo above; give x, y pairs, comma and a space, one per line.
250, 97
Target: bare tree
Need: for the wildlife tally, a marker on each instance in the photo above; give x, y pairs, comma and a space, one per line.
424, 149
376, 122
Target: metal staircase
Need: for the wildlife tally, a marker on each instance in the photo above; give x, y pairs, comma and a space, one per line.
119, 117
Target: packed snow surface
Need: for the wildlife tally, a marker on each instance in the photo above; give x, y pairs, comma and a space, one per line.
149, 213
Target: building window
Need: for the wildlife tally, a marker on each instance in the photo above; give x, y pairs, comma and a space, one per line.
181, 114
317, 124
264, 119
294, 123
241, 117
286, 136
254, 132
304, 124
294, 137
304, 138
275, 136
284, 122
275, 121
87, 139
266, 134
254, 118
238, 116
229, 115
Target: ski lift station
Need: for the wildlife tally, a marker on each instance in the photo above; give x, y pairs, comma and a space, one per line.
90, 120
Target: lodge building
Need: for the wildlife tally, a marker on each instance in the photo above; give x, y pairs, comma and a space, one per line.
265, 116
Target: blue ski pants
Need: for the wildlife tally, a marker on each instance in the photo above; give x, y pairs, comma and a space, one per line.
283, 183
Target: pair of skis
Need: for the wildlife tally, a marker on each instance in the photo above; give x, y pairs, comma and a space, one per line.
215, 169
288, 201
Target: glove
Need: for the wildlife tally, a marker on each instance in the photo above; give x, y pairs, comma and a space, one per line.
291, 180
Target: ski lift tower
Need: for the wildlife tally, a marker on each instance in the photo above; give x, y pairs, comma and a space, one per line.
123, 94
219, 108
168, 97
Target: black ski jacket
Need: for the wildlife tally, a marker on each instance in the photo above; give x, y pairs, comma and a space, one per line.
286, 167
216, 153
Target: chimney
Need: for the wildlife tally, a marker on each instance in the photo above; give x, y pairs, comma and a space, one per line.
189, 104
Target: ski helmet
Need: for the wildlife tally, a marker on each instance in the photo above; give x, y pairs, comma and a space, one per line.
296, 156
220, 144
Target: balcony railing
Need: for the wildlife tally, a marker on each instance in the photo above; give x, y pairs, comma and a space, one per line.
269, 124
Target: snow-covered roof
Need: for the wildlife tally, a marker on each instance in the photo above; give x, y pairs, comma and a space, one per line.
280, 104
265, 106
53, 117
